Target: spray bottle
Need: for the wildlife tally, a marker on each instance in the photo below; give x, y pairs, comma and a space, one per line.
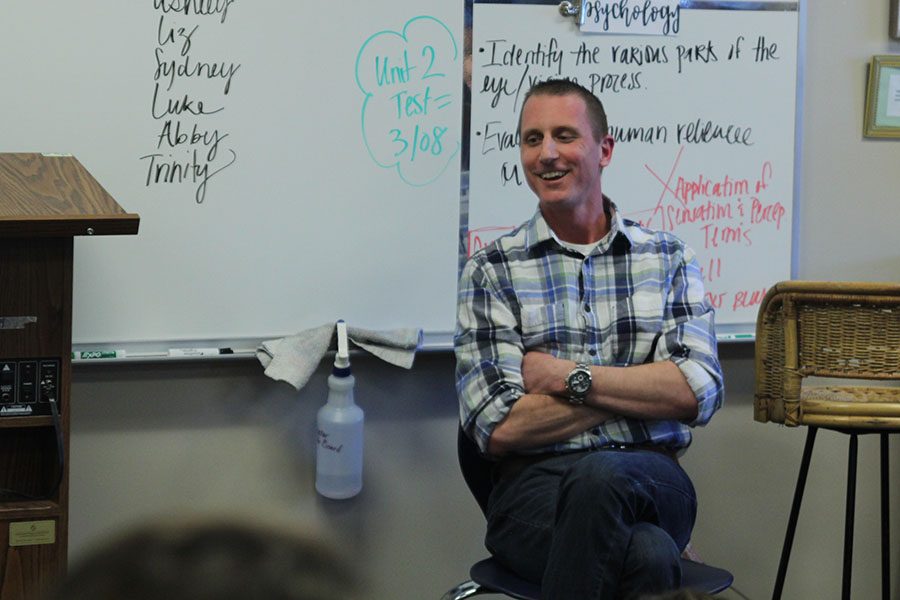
339, 454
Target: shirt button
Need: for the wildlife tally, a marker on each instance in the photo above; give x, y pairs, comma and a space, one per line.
592, 352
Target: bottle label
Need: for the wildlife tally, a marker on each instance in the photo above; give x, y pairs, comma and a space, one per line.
329, 445
340, 449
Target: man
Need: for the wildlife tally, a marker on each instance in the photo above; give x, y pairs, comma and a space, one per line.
585, 353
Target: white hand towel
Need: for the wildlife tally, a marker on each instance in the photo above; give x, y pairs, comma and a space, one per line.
294, 358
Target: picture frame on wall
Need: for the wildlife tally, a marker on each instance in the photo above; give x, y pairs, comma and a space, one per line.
894, 23
882, 114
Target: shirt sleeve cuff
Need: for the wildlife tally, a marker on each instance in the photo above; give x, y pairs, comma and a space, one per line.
495, 410
707, 389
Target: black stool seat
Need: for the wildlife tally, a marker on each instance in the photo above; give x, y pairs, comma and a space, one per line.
493, 577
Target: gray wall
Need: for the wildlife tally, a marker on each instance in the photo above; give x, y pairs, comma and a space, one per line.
160, 439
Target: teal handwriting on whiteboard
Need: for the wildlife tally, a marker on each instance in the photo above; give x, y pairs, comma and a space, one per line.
410, 111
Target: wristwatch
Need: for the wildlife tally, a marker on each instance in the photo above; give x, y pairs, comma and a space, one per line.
578, 383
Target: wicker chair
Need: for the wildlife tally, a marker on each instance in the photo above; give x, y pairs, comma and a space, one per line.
841, 331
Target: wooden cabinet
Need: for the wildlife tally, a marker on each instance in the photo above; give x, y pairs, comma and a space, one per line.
44, 202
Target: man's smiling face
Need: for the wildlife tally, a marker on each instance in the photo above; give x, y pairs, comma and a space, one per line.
560, 155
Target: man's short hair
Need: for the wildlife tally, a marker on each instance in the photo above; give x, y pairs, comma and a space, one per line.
565, 87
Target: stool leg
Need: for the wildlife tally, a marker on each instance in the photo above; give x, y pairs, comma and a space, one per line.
885, 523
848, 521
795, 512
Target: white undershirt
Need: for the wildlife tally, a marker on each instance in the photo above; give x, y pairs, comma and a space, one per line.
583, 249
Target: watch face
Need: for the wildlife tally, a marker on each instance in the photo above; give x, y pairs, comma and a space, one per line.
580, 382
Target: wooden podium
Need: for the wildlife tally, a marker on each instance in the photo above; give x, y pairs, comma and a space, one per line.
45, 200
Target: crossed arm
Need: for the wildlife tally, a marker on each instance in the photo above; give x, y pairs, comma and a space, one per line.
543, 415
513, 399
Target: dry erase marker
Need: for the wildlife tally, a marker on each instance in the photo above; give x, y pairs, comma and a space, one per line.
199, 351
95, 354
736, 336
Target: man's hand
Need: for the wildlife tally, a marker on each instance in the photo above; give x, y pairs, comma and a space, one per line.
545, 374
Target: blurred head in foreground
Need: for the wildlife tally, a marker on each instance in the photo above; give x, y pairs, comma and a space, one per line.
212, 559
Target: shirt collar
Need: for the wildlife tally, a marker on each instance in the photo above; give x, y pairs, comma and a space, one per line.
538, 231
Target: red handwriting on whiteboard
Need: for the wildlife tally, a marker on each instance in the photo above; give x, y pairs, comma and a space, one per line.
713, 271
723, 235
767, 213
482, 236
740, 299
748, 298
717, 205
716, 299
658, 211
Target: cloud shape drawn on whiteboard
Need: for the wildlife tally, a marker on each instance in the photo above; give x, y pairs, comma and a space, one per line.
410, 116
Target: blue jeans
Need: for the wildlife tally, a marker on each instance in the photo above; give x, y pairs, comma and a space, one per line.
600, 525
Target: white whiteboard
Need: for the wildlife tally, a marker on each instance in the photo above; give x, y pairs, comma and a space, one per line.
315, 220
729, 193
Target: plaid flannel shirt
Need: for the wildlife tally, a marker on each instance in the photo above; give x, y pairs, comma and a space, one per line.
637, 298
